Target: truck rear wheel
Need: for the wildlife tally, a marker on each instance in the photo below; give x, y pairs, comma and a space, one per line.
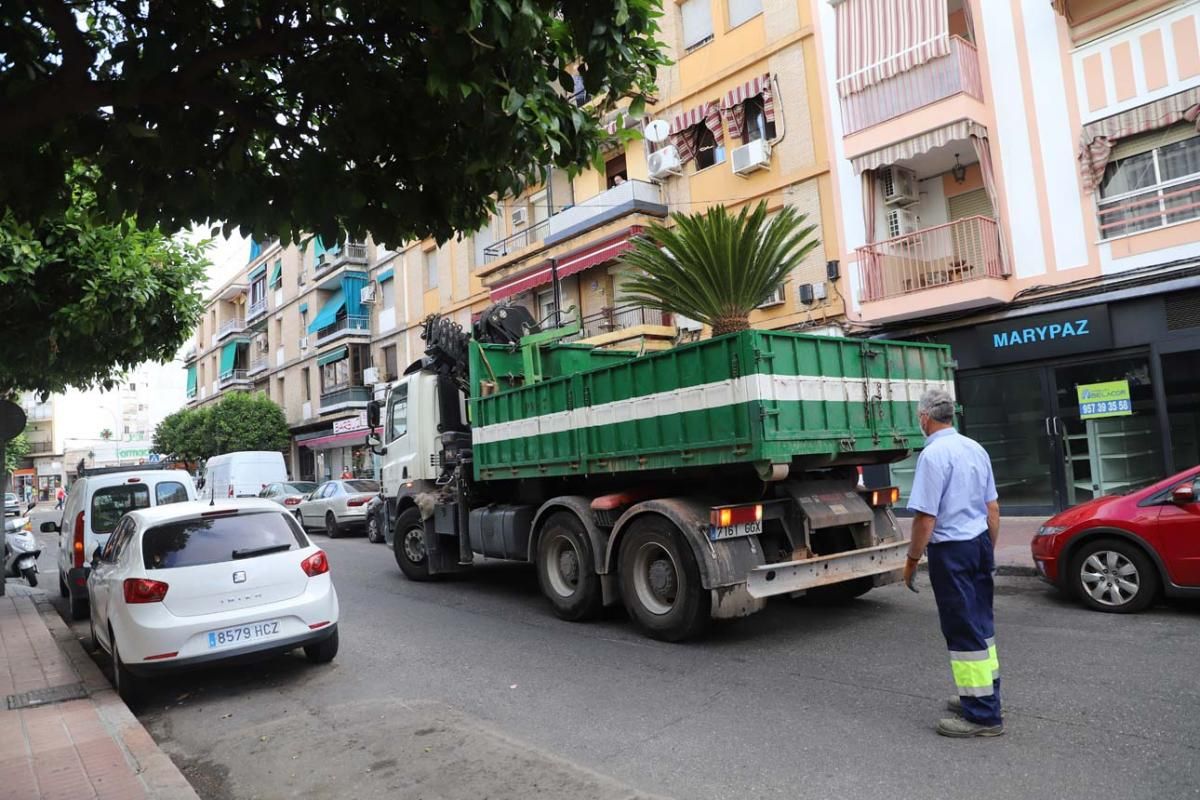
660, 581
566, 568
409, 545
839, 593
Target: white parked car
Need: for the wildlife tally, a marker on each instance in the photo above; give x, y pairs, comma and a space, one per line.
288, 494
189, 584
338, 505
97, 500
242, 474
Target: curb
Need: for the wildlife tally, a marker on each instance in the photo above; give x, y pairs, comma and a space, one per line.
157, 772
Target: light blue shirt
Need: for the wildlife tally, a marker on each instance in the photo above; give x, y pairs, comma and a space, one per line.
953, 483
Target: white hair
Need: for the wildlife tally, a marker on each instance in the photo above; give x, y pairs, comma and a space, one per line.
938, 404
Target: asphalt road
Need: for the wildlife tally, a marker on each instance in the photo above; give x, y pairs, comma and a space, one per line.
471, 688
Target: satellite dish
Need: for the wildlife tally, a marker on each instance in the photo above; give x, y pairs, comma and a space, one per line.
657, 131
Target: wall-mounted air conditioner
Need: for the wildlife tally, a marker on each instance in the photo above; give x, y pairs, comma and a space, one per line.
775, 299
751, 157
520, 216
366, 295
899, 186
665, 162
901, 222
370, 376
303, 342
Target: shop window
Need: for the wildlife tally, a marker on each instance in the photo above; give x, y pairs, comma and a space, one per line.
1151, 180
743, 10
697, 23
708, 152
757, 126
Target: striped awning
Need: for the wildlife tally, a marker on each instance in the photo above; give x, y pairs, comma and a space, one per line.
877, 39
576, 261
734, 110
689, 119
921, 143
1097, 139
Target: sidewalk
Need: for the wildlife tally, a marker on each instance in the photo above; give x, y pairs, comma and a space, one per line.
91, 747
1012, 553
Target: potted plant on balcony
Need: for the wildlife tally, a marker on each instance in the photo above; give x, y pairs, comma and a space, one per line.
715, 267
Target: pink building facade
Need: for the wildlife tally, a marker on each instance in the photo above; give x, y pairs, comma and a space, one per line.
1020, 179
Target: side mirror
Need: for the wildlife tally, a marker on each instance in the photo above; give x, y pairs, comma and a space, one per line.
50, 527
374, 413
96, 557
1183, 495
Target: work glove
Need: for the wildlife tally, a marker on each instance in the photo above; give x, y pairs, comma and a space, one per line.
910, 574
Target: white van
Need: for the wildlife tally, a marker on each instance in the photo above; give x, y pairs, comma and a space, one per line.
96, 502
243, 474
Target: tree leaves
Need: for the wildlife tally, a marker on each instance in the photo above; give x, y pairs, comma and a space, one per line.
238, 421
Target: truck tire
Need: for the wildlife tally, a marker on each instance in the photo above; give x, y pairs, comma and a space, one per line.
566, 569
409, 545
839, 593
660, 581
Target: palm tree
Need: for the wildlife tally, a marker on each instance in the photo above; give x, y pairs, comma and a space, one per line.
715, 267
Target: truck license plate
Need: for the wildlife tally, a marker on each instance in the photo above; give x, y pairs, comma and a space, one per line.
227, 637
718, 532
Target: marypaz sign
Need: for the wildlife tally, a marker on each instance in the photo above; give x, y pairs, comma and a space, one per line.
1061, 333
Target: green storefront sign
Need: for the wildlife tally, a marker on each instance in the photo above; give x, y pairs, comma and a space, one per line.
1108, 399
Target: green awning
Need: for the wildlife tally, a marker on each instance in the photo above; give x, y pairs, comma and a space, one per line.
304, 308
228, 358
328, 313
191, 380
258, 272
332, 356
386, 275
277, 273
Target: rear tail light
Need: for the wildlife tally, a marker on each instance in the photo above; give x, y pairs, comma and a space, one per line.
735, 515
77, 543
144, 590
291, 501
358, 501
316, 564
881, 497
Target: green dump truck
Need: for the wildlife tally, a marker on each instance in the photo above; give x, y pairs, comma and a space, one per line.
686, 484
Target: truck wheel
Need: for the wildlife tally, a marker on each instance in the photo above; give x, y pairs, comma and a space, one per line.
839, 592
409, 546
660, 581
566, 569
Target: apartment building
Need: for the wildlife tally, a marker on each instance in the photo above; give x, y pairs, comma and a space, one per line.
1021, 180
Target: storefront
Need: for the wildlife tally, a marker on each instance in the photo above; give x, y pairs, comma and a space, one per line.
337, 451
1080, 401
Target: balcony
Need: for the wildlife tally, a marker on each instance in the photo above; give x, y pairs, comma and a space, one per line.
348, 326
350, 253
654, 329
257, 365
234, 378
257, 309
41, 447
628, 198
519, 240
347, 397
925, 84
948, 255
231, 327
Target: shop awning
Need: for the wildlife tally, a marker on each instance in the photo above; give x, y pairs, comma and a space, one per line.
921, 143
258, 272
191, 381
386, 275
338, 439
328, 313
277, 273
228, 358
569, 264
332, 356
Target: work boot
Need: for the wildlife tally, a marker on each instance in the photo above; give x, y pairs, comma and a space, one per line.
954, 704
958, 728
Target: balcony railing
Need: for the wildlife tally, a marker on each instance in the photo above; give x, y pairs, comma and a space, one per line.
234, 376
41, 447
350, 394
348, 325
628, 197
936, 79
230, 327
350, 253
520, 239
257, 308
622, 317
257, 365
959, 251
1165, 204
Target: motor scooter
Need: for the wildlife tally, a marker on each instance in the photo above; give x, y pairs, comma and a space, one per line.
21, 550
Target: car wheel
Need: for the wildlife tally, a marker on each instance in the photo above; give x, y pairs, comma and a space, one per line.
63, 591
566, 569
79, 607
300, 519
1114, 576
373, 531
409, 546
124, 681
332, 529
322, 652
660, 581
91, 643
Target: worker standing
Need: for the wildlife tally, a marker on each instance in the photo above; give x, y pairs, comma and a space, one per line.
956, 520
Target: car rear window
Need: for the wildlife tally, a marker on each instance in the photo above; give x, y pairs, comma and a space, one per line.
299, 488
362, 486
113, 502
216, 540
168, 492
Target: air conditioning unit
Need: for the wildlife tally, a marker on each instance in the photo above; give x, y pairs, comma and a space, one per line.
775, 299
366, 295
751, 157
686, 323
520, 216
899, 186
303, 342
263, 344
665, 162
370, 376
901, 222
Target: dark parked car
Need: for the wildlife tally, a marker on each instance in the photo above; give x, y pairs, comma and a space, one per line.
1118, 553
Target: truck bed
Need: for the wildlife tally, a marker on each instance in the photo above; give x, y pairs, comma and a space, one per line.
756, 397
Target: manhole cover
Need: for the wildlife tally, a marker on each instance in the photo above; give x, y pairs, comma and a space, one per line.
42, 697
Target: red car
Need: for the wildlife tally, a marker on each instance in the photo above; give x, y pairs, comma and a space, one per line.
1117, 552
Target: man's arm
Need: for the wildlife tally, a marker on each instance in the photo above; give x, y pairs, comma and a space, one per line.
993, 521
922, 531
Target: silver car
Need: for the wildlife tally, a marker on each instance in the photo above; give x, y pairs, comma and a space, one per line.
290, 494
337, 506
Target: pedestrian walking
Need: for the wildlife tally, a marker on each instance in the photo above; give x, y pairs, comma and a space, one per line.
61, 494
956, 522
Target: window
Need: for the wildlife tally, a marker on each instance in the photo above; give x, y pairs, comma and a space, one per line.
113, 502
258, 291
743, 10
387, 294
277, 274
615, 171
545, 308
217, 540
757, 126
362, 486
335, 375
398, 418
697, 22
431, 269
110, 552
708, 152
389, 361
169, 492
1151, 180
307, 380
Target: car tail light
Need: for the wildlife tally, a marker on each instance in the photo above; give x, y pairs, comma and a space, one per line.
881, 497
316, 564
735, 515
358, 501
144, 590
77, 543
230, 492
162, 656
291, 501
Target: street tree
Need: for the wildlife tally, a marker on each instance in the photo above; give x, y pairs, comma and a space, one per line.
402, 119
715, 267
15, 450
84, 299
238, 421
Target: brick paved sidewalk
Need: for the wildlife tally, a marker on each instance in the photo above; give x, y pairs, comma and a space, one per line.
79, 749
1012, 553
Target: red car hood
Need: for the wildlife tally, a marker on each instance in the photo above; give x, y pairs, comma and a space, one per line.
1090, 510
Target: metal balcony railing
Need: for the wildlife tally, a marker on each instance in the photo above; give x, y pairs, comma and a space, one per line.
348, 325
956, 252
522, 238
231, 326
349, 253
257, 308
936, 79
41, 447
349, 394
234, 376
621, 318
257, 365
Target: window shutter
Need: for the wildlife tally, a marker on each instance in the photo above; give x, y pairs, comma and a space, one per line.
970, 204
1145, 142
697, 21
743, 10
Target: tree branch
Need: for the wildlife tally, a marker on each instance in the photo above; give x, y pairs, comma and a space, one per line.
77, 56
